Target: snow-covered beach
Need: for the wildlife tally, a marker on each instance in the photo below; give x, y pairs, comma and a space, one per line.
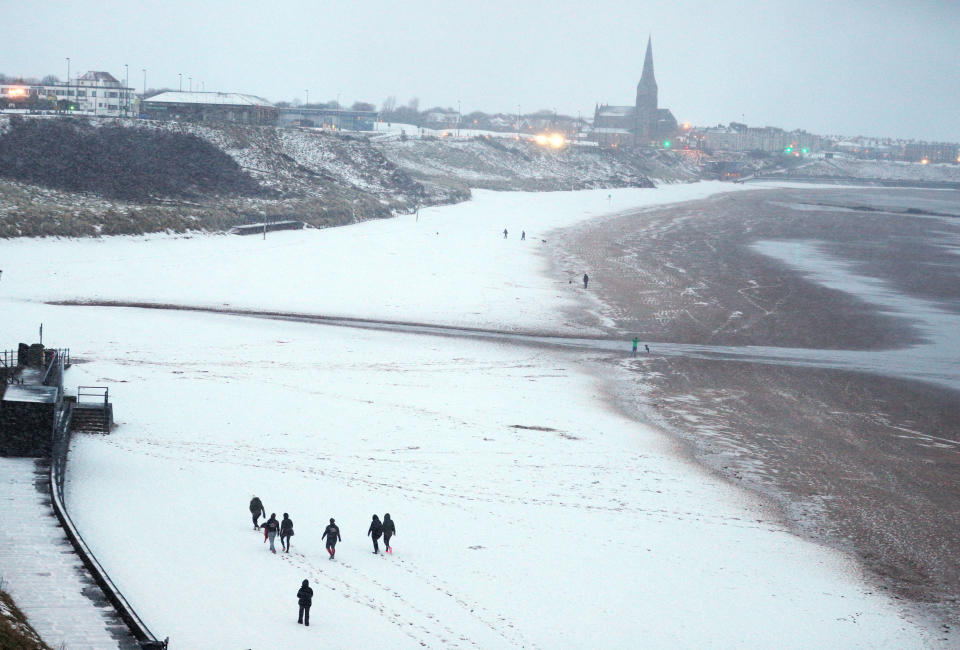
529, 512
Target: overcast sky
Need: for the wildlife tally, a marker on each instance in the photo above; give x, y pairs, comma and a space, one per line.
841, 67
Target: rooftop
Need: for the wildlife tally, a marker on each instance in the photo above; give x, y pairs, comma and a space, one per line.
225, 99
97, 75
616, 110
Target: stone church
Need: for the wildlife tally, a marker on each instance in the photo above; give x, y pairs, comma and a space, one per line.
639, 125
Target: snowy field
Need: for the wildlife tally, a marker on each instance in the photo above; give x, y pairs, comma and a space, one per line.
529, 513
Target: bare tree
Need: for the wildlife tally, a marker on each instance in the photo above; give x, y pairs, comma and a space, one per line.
389, 104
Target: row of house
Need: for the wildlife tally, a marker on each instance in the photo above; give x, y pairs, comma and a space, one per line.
100, 93
740, 137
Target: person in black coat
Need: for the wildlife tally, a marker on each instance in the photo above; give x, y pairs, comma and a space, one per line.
389, 530
286, 532
305, 598
332, 535
257, 511
375, 530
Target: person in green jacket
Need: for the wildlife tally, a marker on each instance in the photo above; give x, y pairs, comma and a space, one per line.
635, 342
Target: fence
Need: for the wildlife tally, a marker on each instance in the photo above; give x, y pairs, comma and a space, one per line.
58, 470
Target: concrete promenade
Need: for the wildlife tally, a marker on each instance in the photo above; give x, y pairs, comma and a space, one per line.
40, 570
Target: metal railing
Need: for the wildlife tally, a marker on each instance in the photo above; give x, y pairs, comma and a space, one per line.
97, 393
58, 471
101, 393
8, 358
53, 376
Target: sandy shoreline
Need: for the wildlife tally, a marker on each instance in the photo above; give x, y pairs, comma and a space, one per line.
866, 464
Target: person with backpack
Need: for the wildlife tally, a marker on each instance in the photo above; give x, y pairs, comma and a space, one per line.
256, 510
305, 599
271, 525
389, 530
286, 532
375, 530
332, 535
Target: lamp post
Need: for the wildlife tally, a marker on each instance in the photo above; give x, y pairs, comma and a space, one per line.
307, 103
180, 75
68, 83
518, 120
339, 121
191, 83
126, 93
459, 117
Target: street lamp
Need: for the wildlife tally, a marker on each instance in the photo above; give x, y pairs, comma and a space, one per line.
459, 117
518, 120
307, 103
144, 83
180, 74
191, 83
68, 83
126, 85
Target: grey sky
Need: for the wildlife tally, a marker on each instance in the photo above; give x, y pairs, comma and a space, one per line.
855, 67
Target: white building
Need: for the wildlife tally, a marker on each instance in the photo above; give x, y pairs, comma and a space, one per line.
98, 93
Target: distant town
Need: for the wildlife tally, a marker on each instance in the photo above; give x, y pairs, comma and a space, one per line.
643, 124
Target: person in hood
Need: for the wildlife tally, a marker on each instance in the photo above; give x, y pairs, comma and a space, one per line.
305, 598
375, 530
389, 530
272, 526
286, 532
257, 511
332, 535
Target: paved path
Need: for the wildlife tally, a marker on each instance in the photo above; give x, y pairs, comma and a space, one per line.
40, 570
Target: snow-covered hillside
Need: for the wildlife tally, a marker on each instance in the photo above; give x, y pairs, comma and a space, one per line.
315, 176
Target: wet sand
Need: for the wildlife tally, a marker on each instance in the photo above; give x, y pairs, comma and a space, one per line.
869, 464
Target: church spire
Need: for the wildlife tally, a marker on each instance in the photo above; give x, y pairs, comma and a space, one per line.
647, 88
647, 77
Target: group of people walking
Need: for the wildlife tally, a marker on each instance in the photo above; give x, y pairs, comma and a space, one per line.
331, 534
385, 528
271, 527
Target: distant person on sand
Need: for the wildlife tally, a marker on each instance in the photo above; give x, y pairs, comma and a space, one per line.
332, 533
646, 347
374, 532
523, 235
586, 278
286, 532
256, 510
389, 530
636, 341
504, 233
305, 599
272, 526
